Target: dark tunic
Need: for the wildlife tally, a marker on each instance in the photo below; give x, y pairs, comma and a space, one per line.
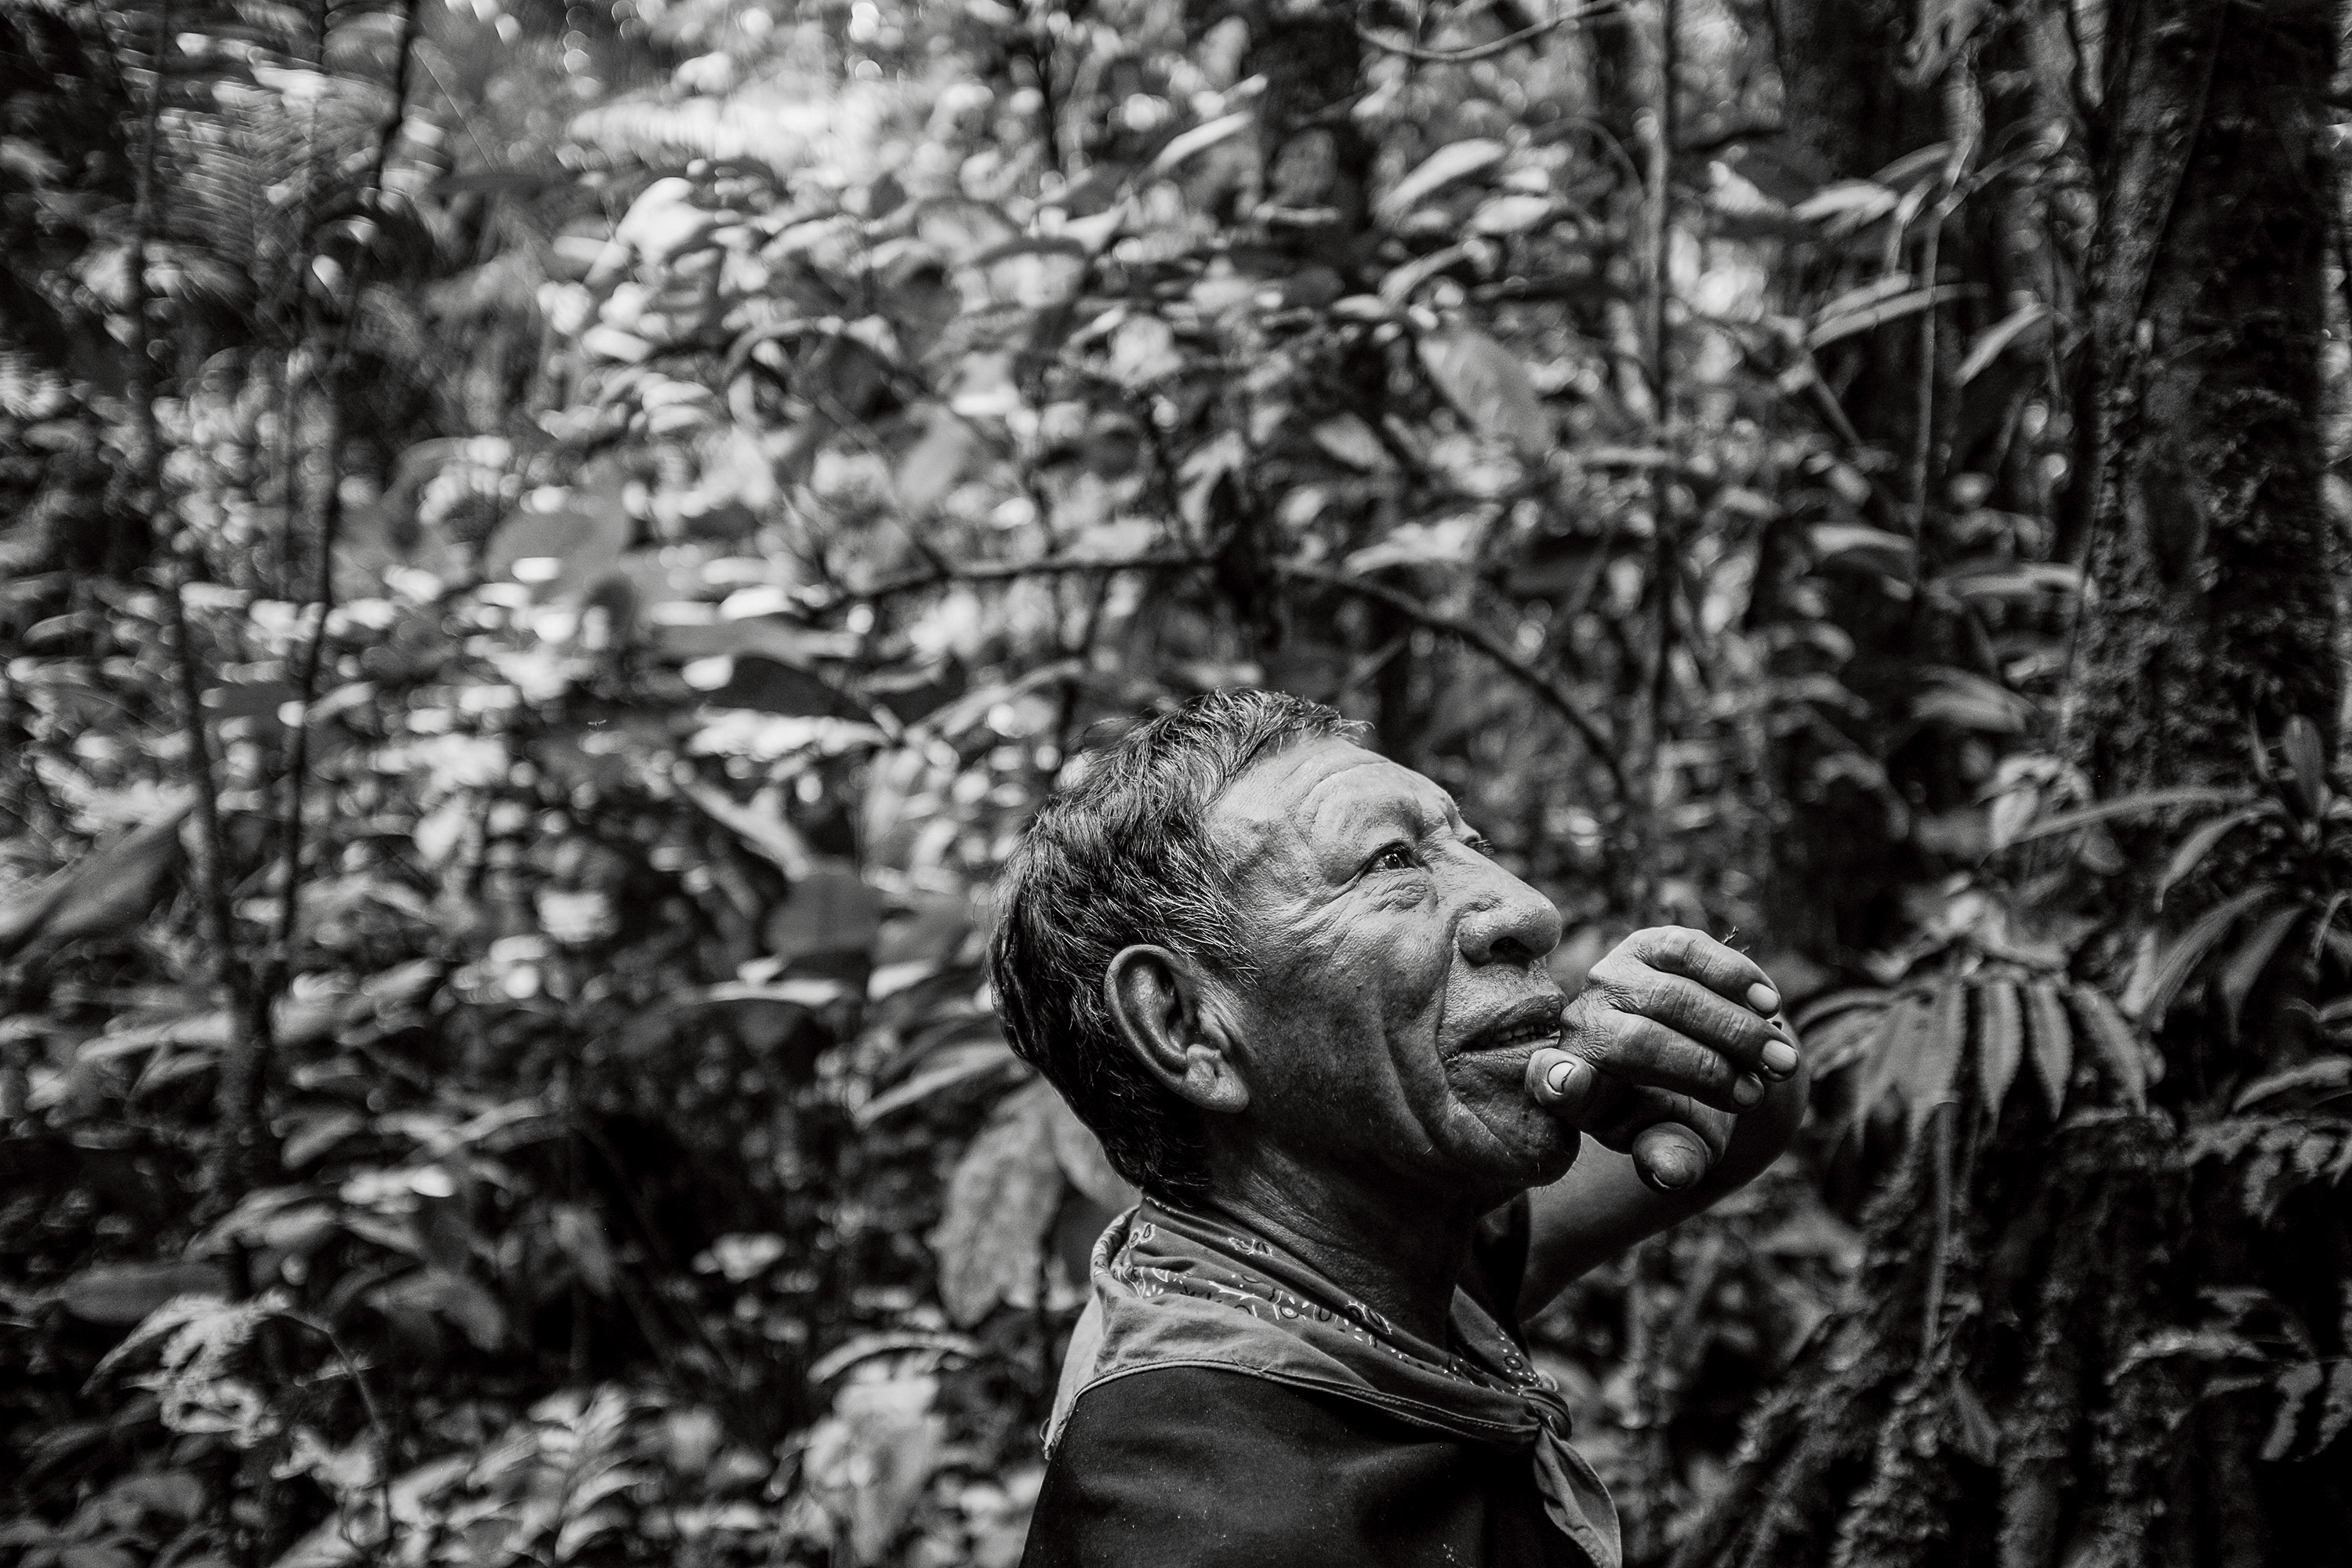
1189, 1462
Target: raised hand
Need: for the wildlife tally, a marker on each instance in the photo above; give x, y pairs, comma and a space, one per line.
1673, 1035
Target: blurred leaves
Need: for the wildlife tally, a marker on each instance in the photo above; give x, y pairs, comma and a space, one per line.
104, 894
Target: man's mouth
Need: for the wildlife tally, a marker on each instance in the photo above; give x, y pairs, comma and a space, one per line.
1524, 1034
1533, 1025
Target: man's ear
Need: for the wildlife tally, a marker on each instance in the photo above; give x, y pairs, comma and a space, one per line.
1156, 1000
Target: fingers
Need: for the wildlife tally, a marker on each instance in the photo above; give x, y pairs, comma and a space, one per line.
1661, 1131
1726, 1011
1562, 1083
1689, 1010
1670, 1156
1675, 1036
1694, 955
1632, 1049
1616, 1112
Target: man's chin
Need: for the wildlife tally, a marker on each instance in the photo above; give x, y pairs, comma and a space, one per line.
1549, 1153
1525, 1144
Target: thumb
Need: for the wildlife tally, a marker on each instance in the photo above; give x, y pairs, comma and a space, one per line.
1670, 1157
1563, 1082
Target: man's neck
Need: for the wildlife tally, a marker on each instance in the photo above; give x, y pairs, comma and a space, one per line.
1403, 1261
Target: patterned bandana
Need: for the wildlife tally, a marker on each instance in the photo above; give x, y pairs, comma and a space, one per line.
1175, 1290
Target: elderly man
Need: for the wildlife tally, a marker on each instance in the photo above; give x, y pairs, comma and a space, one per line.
1312, 1021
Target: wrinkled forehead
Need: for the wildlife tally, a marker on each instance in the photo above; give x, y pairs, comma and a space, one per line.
1321, 799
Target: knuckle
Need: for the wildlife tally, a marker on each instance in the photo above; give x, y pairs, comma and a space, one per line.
1614, 996
1652, 997
1701, 1066
1635, 1034
1675, 1007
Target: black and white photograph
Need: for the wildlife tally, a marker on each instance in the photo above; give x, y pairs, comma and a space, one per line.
1175, 784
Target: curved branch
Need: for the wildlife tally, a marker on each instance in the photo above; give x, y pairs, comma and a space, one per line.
1553, 695
1550, 692
1395, 44
1007, 571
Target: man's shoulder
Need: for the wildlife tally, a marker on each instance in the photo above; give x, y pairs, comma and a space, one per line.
1177, 1464
1180, 1403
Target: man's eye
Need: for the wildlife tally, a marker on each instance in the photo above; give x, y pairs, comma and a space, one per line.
1393, 858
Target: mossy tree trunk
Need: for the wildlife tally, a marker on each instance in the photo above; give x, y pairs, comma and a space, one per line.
2216, 620
2100, 1337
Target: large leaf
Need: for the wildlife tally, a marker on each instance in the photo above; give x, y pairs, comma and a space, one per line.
1352, 442
1877, 291
104, 893
2201, 842
1082, 1159
1859, 545
975, 1061
1833, 328
1200, 139
1966, 700
1979, 1433
1929, 1072
1846, 205
1486, 382
2247, 961
870, 1460
1891, 1051
2192, 948
1822, 1008
2326, 1075
2136, 804
580, 1234
2052, 1039
1988, 343
767, 832
1455, 161
21, 916
930, 468
991, 1238
123, 1293
1514, 213
2114, 1041
563, 548
2306, 757
2001, 1043
1846, 1038
829, 911
2295, 1386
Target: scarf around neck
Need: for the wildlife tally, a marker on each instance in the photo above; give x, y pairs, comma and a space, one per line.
1176, 1290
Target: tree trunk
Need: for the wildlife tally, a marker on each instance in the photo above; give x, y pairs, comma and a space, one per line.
1842, 72
2212, 557
2064, 1347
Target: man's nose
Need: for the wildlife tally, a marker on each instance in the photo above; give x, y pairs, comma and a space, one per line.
1509, 922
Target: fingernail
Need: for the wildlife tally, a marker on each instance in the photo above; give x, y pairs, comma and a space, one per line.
1780, 1059
1749, 1089
1674, 1168
1763, 998
1557, 1079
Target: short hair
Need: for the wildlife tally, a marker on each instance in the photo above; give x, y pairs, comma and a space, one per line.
1122, 857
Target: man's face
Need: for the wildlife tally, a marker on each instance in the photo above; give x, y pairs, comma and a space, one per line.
1400, 984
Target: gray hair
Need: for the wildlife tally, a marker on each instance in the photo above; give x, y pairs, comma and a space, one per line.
1121, 858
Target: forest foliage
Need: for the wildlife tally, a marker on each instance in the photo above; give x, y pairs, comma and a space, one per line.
547, 553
